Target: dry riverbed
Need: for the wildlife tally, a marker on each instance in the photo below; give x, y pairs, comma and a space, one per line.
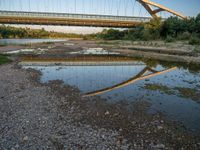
42, 116
56, 116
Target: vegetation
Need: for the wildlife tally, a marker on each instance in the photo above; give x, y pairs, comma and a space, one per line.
171, 29
13, 32
188, 93
4, 59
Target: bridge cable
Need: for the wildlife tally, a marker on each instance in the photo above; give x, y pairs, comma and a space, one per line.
104, 6
125, 7
119, 6
83, 6
140, 10
111, 6
20, 5
75, 5
29, 5
133, 6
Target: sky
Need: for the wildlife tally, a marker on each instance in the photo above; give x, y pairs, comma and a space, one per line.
104, 7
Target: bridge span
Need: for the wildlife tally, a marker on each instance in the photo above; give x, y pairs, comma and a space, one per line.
46, 18
81, 19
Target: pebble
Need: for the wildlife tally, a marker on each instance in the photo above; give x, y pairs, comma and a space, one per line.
25, 139
107, 113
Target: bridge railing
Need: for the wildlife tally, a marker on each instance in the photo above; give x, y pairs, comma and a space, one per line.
72, 16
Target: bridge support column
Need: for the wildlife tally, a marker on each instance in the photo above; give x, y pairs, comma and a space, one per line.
147, 5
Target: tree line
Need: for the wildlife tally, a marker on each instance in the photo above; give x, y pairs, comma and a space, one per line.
13, 32
171, 29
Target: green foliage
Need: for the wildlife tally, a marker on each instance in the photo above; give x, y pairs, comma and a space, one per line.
169, 39
194, 41
171, 29
197, 49
134, 33
4, 59
153, 28
13, 32
112, 34
184, 36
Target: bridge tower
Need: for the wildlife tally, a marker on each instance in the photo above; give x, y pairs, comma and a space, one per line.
147, 4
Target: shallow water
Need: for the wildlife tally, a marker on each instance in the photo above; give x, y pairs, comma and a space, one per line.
95, 51
174, 91
27, 41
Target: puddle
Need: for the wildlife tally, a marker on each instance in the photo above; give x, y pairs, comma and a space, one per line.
69, 44
27, 41
95, 51
25, 51
164, 86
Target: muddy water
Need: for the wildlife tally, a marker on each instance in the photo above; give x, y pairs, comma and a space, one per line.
171, 89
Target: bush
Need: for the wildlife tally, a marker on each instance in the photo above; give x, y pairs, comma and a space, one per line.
184, 36
197, 49
146, 35
112, 34
194, 41
4, 59
169, 39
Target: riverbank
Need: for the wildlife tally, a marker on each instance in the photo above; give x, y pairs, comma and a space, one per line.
52, 115
159, 50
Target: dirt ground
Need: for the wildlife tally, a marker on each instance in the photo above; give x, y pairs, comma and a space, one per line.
174, 52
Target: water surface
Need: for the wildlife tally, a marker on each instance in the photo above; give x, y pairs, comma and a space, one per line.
172, 90
27, 41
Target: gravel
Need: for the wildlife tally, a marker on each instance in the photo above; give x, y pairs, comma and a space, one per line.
31, 119
56, 116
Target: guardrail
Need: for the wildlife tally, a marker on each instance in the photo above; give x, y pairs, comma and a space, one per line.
73, 16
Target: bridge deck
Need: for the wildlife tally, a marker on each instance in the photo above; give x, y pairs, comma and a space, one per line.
44, 18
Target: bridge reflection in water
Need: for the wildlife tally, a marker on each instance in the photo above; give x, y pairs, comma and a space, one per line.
138, 77
92, 69
156, 83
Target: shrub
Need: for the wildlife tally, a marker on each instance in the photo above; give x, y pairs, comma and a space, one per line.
197, 49
146, 35
184, 36
169, 39
4, 59
194, 41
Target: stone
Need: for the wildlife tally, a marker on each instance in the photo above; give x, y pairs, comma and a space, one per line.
107, 113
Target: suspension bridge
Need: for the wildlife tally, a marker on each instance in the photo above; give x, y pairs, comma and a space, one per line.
45, 15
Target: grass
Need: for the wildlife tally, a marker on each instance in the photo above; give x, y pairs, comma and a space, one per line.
4, 59
1, 45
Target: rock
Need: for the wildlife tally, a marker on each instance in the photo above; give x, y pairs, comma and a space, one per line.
159, 127
25, 139
133, 122
107, 113
158, 146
